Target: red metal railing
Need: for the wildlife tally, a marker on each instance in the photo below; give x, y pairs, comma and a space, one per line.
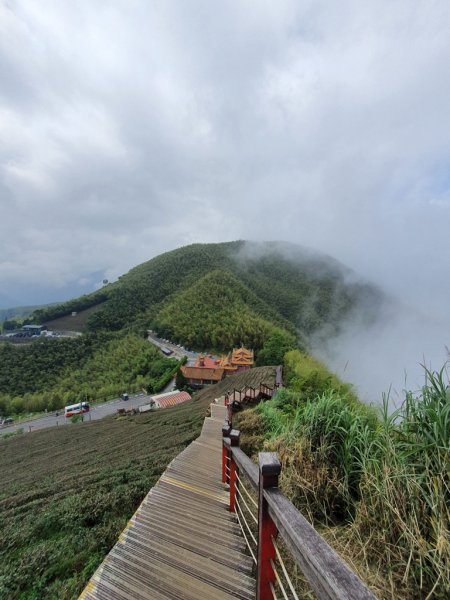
247, 393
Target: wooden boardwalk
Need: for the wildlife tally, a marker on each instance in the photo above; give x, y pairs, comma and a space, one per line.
182, 542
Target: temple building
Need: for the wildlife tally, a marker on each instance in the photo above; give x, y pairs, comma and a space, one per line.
206, 362
200, 376
239, 359
208, 369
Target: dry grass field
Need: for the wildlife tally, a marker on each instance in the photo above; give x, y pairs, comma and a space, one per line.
67, 493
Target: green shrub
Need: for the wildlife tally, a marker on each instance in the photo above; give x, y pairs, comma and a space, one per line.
382, 477
275, 347
305, 374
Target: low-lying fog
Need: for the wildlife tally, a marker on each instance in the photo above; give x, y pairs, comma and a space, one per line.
388, 355
382, 348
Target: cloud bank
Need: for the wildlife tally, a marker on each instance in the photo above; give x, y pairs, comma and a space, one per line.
128, 128
389, 356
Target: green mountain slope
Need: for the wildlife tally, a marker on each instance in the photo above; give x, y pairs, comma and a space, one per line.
282, 283
217, 313
16, 312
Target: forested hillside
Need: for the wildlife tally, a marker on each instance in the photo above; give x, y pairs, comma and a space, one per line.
17, 311
49, 374
285, 285
217, 313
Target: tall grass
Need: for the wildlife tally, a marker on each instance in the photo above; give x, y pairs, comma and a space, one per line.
405, 492
381, 480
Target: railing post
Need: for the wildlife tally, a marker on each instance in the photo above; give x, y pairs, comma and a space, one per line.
234, 443
269, 470
225, 433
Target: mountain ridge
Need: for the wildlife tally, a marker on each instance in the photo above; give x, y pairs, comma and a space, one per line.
295, 288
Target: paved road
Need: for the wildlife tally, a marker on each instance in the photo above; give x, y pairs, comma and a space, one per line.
178, 351
97, 411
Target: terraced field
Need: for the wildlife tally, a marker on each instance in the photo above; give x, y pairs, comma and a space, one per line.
67, 493
76, 323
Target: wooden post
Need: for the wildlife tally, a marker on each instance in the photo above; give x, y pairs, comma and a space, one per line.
269, 470
225, 433
234, 443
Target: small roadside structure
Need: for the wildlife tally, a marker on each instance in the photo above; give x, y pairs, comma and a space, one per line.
170, 399
34, 329
165, 400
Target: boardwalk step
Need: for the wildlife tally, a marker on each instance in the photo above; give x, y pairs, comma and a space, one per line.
182, 542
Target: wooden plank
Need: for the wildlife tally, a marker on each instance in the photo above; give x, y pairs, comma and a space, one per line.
182, 542
188, 563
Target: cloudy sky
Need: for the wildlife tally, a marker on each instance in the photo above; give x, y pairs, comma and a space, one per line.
131, 127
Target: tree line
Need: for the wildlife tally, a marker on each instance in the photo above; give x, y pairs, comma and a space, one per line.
50, 374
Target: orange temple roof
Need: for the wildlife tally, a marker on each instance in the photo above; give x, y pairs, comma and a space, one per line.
242, 356
202, 373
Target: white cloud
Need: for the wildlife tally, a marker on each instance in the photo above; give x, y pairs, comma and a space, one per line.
131, 127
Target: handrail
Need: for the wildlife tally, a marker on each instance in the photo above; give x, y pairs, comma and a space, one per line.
245, 463
248, 391
328, 575
326, 572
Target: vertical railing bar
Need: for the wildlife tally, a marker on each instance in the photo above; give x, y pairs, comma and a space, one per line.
234, 443
226, 428
269, 471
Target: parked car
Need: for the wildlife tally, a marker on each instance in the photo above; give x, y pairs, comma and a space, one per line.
124, 396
